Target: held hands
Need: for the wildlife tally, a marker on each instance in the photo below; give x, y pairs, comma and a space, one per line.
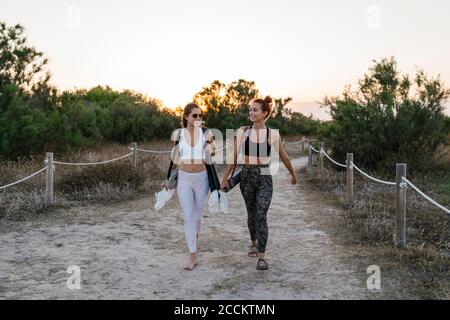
224, 185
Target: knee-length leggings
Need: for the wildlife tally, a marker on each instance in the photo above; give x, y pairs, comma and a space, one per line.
257, 188
192, 190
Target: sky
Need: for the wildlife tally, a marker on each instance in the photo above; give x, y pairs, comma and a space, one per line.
170, 49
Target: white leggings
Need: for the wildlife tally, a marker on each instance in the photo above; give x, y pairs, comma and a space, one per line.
192, 189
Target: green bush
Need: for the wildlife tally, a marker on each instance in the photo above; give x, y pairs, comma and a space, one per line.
383, 123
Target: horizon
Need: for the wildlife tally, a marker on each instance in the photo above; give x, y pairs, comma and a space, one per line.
169, 50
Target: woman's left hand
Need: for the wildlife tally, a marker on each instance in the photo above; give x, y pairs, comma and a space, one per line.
224, 185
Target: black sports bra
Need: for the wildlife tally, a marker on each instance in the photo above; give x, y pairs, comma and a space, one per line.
263, 146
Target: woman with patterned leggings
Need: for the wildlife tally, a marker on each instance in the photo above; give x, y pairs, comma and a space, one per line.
256, 179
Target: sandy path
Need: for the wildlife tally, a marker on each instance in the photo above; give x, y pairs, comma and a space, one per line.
129, 251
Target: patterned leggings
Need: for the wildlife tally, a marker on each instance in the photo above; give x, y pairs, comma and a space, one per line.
256, 188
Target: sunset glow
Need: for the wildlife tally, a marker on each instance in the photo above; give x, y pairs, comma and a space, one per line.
171, 49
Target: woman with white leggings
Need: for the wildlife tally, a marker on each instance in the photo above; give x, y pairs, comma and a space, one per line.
192, 185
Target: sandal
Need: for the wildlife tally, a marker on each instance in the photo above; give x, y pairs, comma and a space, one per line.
253, 252
262, 265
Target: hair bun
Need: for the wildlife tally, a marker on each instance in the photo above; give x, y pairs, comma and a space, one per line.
268, 99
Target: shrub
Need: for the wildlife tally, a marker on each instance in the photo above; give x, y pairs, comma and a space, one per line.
382, 122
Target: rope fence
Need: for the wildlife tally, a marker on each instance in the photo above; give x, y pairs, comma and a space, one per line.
152, 151
169, 151
91, 163
335, 162
299, 141
312, 148
24, 179
400, 184
50, 166
223, 148
302, 141
425, 196
292, 142
372, 178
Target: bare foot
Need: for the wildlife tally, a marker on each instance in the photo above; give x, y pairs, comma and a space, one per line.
191, 265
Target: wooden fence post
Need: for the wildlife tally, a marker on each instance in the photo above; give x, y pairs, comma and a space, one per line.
400, 201
49, 179
134, 146
349, 178
321, 160
303, 144
309, 159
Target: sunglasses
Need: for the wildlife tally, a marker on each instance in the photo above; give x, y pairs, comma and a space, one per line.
197, 115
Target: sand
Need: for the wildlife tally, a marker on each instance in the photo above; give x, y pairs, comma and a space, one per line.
130, 251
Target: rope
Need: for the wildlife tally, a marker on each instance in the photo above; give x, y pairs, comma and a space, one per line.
157, 151
151, 151
29, 177
223, 147
386, 182
425, 196
362, 172
294, 142
335, 162
91, 163
317, 151
375, 179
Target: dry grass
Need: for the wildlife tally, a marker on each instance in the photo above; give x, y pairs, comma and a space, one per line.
442, 156
117, 181
21, 204
371, 220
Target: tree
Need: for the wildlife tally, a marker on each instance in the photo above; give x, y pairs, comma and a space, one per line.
239, 94
226, 105
20, 65
384, 122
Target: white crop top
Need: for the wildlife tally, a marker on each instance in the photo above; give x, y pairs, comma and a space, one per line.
190, 153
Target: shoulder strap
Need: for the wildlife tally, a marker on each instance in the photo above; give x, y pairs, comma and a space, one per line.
248, 133
239, 147
177, 141
179, 131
